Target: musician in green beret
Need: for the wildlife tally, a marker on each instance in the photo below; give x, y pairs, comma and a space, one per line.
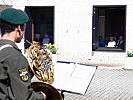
15, 76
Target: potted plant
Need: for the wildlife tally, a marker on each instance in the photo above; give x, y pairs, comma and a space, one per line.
130, 53
129, 59
52, 47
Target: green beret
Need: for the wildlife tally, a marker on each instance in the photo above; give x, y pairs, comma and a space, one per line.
14, 16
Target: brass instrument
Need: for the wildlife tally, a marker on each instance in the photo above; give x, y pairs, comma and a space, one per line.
50, 91
42, 66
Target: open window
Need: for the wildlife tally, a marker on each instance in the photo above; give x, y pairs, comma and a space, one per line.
109, 25
41, 22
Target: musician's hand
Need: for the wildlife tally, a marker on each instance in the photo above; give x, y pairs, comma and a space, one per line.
44, 95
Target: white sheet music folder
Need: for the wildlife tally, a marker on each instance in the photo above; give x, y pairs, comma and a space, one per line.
73, 77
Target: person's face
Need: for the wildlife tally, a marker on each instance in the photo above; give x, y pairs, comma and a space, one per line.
121, 38
111, 38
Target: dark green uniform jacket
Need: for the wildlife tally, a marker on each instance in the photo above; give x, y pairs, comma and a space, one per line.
15, 77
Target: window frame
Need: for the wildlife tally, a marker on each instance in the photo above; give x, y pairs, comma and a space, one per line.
95, 19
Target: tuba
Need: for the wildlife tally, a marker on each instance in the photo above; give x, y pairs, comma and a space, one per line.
42, 67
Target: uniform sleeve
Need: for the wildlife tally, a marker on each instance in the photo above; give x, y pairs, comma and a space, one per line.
20, 79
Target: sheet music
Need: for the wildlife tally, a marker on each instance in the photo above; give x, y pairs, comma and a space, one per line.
73, 77
62, 72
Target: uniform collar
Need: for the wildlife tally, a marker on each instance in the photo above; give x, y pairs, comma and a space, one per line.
4, 41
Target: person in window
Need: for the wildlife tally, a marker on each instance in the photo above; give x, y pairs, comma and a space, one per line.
46, 39
16, 72
120, 43
102, 41
111, 42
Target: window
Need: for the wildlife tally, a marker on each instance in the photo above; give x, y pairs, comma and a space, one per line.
109, 28
40, 24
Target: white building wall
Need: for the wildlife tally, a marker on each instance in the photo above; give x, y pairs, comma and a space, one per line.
129, 26
73, 23
72, 28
